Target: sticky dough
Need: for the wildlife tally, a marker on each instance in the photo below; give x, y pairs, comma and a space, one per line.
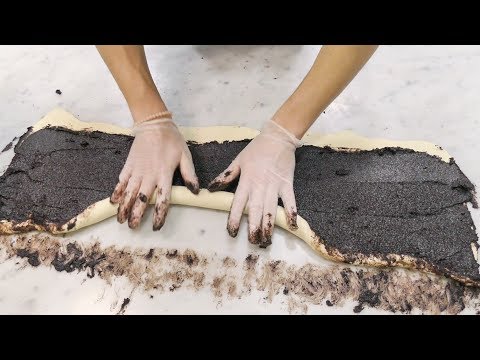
345, 141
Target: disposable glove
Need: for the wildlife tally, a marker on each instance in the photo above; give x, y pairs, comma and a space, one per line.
157, 150
266, 167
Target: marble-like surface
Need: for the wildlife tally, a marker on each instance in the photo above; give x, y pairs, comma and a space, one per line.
404, 92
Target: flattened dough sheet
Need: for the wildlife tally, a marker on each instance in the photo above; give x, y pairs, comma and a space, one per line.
337, 236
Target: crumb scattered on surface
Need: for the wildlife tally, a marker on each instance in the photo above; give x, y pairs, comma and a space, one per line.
161, 270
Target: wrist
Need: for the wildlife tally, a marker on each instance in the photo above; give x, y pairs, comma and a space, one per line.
299, 112
278, 132
146, 110
153, 126
145, 102
291, 124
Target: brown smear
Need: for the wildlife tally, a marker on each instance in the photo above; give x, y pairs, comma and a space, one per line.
125, 303
299, 287
229, 262
9, 145
249, 268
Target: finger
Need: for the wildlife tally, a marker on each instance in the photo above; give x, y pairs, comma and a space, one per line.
119, 190
288, 199
141, 203
255, 212
188, 173
222, 181
161, 205
128, 200
238, 205
269, 213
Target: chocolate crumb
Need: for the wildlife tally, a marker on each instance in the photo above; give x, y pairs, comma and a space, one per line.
171, 253
125, 303
190, 258
150, 254
358, 309
32, 257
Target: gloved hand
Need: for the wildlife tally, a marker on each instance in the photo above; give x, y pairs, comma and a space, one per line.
157, 150
267, 167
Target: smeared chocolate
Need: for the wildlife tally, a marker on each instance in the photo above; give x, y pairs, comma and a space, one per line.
299, 287
9, 145
364, 203
143, 197
53, 177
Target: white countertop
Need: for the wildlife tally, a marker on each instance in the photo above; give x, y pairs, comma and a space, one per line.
405, 92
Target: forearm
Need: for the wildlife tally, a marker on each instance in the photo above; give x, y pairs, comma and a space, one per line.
128, 65
333, 69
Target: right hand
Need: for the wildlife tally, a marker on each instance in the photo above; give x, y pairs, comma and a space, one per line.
157, 150
266, 167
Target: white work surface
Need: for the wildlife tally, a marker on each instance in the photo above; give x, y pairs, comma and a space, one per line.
405, 92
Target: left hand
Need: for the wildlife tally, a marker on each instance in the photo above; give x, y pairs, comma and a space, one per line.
267, 166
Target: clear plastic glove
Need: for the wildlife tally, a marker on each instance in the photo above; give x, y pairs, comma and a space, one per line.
157, 150
267, 168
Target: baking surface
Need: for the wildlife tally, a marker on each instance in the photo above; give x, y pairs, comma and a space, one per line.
422, 88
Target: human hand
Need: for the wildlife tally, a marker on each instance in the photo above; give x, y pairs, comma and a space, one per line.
157, 150
267, 166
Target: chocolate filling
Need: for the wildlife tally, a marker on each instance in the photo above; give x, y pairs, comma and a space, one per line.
369, 203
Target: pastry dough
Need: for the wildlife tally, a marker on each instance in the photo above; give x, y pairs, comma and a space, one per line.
345, 141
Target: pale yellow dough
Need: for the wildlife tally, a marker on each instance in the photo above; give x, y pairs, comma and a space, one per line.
345, 141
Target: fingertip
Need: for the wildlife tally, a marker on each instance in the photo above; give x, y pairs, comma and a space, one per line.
116, 194
217, 185
118, 215
193, 186
288, 199
187, 170
267, 232
232, 229
138, 210
161, 208
294, 225
129, 196
255, 236
265, 243
158, 217
133, 222
222, 181
236, 209
292, 219
122, 214
158, 226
